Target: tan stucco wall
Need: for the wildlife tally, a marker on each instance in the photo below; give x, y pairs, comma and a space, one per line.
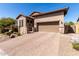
23, 29
52, 17
77, 27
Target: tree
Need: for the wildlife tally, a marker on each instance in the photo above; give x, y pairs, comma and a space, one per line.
69, 23
7, 21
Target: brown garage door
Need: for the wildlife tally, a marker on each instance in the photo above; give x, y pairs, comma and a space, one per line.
48, 26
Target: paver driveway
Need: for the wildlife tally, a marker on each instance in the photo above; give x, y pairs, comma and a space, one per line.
39, 43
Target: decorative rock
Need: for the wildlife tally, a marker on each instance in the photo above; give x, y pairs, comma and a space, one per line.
13, 35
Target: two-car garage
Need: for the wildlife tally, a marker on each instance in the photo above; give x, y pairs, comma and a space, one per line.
48, 26
50, 21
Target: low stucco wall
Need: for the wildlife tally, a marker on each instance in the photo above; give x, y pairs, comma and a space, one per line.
77, 27
70, 29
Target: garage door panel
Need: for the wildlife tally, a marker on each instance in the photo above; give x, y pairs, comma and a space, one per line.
48, 27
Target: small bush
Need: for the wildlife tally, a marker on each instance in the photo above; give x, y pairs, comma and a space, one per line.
8, 33
75, 46
18, 34
4, 30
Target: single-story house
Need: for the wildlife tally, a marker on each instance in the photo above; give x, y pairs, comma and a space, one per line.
47, 22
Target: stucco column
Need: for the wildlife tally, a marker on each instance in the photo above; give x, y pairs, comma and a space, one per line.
61, 23
35, 26
24, 28
61, 26
18, 25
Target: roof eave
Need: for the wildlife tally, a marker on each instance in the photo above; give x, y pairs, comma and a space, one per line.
64, 9
24, 16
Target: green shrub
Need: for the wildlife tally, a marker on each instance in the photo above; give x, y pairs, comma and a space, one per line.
4, 30
75, 46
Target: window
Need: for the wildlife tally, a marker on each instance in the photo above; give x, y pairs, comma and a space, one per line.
21, 23
27, 21
30, 21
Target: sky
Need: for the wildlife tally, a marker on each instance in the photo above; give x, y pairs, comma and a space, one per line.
14, 9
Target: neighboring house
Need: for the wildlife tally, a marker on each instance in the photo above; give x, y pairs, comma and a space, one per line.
47, 22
